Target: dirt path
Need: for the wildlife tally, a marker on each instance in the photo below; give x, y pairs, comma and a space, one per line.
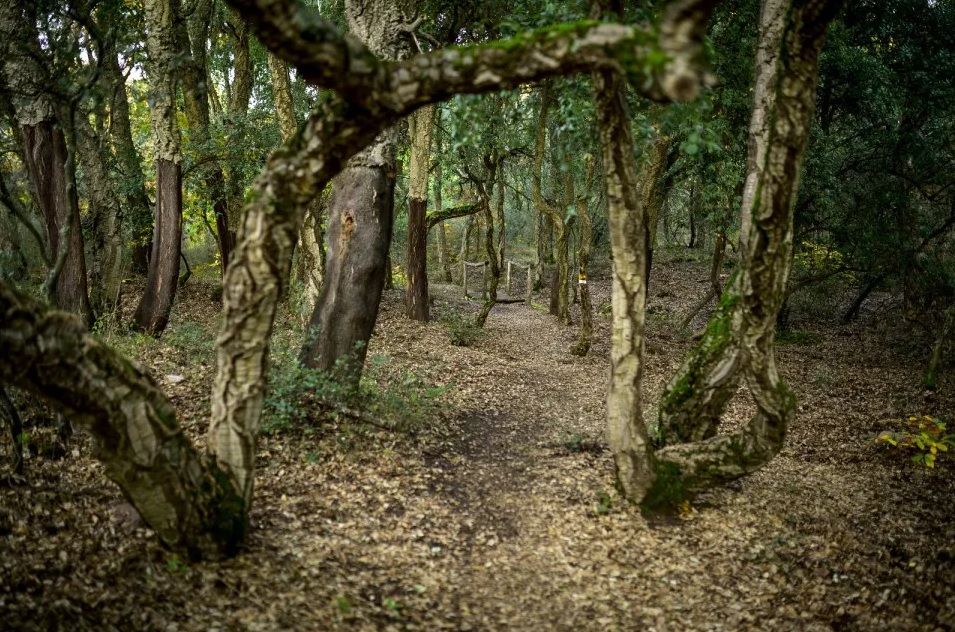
502, 514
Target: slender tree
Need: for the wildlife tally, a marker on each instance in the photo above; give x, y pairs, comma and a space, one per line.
152, 314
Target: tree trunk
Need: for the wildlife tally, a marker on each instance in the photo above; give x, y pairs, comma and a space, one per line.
48, 157
654, 188
179, 492
417, 305
137, 215
360, 221
444, 252
240, 91
559, 304
740, 336
626, 432
493, 270
583, 262
104, 207
196, 99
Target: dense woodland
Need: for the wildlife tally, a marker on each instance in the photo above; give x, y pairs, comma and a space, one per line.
434, 314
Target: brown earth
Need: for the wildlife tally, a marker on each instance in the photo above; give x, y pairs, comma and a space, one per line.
500, 512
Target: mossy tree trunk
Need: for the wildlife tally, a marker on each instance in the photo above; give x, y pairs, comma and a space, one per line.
739, 338
560, 304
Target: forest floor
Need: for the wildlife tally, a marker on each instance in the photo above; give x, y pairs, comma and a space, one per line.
499, 512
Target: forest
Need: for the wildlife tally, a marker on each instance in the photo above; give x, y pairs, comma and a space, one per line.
477, 315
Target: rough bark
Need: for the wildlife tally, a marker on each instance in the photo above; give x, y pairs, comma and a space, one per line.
493, 270
360, 220
444, 251
179, 492
743, 329
106, 268
654, 187
138, 215
560, 305
417, 305
193, 72
626, 432
152, 314
48, 156
240, 91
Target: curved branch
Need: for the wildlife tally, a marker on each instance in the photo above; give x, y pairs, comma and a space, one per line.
436, 217
178, 491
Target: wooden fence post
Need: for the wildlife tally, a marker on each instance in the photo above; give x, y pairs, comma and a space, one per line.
530, 282
464, 268
507, 284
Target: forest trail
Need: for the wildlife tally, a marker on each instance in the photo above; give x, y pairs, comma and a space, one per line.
500, 514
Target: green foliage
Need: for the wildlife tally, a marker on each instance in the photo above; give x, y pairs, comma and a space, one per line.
299, 397
462, 331
925, 436
604, 503
191, 339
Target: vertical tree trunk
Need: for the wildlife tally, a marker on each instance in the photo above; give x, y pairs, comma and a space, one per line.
239, 93
104, 206
137, 214
444, 252
559, 304
583, 264
152, 314
360, 220
196, 99
416, 293
626, 432
654, 188
48, 157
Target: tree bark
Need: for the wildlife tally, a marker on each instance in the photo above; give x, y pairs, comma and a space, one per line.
138, 214
560, 306
152, 314
626, 432
583, 267
444, 250
417, 306
48, 157
194, 71
360, 221
104, 208
739, 338
179, 492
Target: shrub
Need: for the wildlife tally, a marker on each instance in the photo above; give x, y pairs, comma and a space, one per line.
925, 436
462, 331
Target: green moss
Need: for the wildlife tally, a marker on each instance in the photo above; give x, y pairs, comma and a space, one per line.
718, 334
667, 491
